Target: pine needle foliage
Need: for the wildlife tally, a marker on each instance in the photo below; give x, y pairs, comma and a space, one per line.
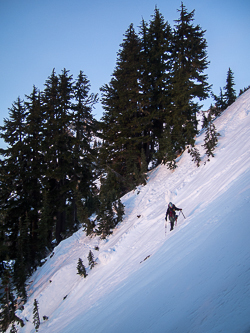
36, 319
8, 300
13, 328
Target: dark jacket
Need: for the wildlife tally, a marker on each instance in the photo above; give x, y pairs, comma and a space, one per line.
171, 212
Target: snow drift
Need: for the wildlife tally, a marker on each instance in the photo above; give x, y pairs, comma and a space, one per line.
195, 278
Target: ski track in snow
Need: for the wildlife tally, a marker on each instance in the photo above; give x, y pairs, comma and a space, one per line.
117, 283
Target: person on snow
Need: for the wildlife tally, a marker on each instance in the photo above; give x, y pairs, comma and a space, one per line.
172, 215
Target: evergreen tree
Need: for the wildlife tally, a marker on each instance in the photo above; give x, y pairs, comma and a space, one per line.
81, 270
211, 139
36, 319
122, 126
111, 210
34, 171
14, 201
195, 154
7, 299
155, 84
84, 153
92, 262
57, 103
230, 94
188, 79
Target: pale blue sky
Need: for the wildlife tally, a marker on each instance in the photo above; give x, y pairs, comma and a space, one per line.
39, 35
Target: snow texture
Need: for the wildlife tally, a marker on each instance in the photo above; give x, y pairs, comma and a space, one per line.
194, 279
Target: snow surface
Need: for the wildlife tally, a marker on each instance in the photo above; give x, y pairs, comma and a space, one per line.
196, 278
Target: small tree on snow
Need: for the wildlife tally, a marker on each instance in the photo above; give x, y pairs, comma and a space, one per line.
36, 319
81, 270
92, 263
195, 154
211, 139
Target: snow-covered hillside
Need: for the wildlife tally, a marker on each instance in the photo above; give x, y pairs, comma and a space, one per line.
195, 279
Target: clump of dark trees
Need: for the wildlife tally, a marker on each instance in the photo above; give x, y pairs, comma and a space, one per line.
52, 164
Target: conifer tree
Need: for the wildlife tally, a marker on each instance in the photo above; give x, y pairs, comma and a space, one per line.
92, 262
84, 154
7, 299
111, 210
81, 270
230, 94
57, 103
36, 319
13, 199
195, 154
228, 97
155, 61
211, 139
122, 126
35, 168
188, 78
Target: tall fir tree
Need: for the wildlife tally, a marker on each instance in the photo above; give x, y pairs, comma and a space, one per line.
35, 168
155, 61
14, 201
84, 153
57, 106
188, 79
122, 125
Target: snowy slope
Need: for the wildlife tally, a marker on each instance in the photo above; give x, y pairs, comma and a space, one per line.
197, 278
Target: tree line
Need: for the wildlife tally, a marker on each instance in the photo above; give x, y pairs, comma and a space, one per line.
61, 166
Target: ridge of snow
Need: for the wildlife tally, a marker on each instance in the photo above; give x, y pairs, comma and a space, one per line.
195, 278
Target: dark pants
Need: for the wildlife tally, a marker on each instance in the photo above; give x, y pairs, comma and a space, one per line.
172, 220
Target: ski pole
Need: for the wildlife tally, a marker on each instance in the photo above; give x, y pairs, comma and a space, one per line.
183, 214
